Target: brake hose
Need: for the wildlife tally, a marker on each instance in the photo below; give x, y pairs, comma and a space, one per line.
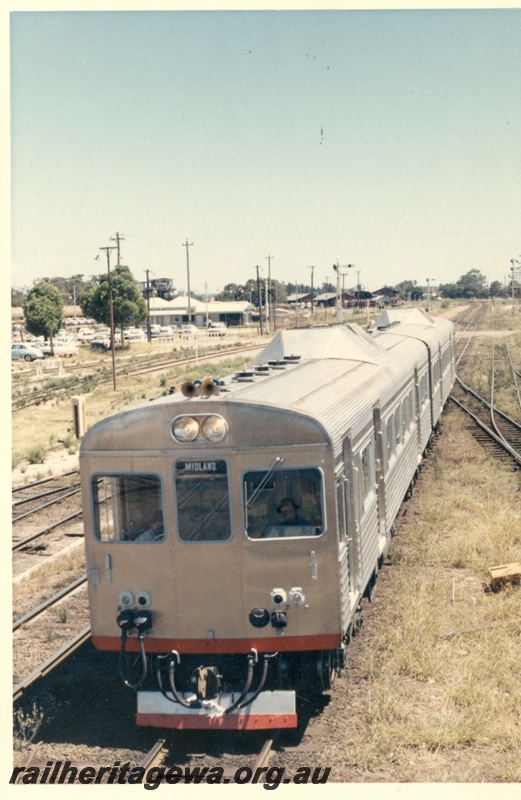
261, 684
246, 689
141, 636
171, 679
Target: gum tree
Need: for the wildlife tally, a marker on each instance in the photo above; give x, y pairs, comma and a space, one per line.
43, 311
128, 303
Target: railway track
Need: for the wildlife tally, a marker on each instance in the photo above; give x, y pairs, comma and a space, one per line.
494, 430
142, 365
52, 662
49, 603
166, 755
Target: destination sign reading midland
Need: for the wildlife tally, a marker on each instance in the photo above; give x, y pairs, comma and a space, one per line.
201, 467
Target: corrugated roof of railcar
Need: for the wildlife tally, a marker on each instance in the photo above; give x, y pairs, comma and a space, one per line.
409, 322
389, 339
313, 385
357, 368
314, 388
348, 342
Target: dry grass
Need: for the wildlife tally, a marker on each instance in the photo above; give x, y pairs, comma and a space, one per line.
435, 707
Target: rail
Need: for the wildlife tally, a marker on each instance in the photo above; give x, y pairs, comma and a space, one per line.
52, 662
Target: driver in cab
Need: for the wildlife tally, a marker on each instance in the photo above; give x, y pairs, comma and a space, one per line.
291, 523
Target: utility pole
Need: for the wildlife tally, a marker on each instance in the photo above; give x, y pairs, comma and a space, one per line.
266, 305
312, 295
188, 244
336, 267
206, 301
339, 305
149, 333
259, 299
111, 312
270, 304
514, 278
326, 282
429, 292
117, 238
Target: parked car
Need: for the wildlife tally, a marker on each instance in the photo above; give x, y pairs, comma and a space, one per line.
61, 347
85, 335
217, 329
189, 331
27, 352
134, 335
100, 343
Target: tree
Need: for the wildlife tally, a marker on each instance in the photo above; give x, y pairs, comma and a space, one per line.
43, 310
409, 290
496, 289
232, 291
17, 297
71, 289
472, 284
248, 292
129, 307
449, 290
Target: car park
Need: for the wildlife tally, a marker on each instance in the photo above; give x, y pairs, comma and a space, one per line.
26, 352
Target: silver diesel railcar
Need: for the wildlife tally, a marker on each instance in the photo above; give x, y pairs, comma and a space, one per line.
233, 528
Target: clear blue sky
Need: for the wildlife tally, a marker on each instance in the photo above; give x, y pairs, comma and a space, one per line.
386, 139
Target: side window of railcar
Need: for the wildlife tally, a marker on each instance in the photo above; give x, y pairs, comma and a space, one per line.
285, 504
367, 471
202, 500
391, 438
424, 394
398, 426
128, 508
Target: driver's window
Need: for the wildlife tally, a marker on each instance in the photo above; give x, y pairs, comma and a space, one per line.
288, 504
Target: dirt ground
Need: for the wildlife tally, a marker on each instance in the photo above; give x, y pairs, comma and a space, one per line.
56, 463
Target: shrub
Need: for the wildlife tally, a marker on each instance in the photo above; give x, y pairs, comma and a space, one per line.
36, 454
26, 725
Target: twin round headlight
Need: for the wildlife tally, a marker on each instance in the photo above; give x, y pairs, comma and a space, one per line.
188, 429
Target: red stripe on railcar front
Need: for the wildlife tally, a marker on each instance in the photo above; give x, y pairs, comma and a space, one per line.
282, 644
238, 722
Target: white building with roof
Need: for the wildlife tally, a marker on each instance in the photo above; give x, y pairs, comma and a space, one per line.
175, 312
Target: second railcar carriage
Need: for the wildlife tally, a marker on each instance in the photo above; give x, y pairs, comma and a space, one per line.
233, 529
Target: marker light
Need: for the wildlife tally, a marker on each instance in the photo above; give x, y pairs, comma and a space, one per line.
185, 429
214, 428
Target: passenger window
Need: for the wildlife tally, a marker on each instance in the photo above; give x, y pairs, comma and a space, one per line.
202, 501
128, 508
367, 472
284, 504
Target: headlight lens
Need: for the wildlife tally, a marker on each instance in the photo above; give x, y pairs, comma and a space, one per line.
185, 429
214, 428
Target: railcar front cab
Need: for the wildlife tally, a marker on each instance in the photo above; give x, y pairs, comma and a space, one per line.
278, 504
